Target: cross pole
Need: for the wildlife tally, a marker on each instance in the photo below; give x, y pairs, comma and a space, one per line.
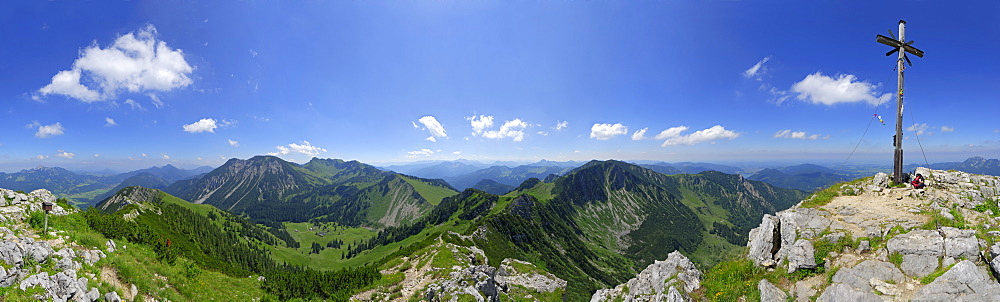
902, 47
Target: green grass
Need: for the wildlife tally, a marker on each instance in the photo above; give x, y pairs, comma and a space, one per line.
732, 279
937, 273
433, 194
542, 191
896, 258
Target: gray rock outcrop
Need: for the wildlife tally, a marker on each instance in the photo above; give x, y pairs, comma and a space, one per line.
770, 293
668, 280
920, 249
963, 282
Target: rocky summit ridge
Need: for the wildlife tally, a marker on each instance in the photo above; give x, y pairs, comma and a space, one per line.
860, 241
49, 264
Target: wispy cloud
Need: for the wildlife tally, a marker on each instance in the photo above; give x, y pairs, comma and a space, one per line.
304, 148
135, 62
947, 129
45, 131
607, 131
109, 122
64, 154
920, 129
233, 143
418, 153
788, 133
820, 89
431, 124
712, 134
639, 134
562, 125
513, 129
757, 70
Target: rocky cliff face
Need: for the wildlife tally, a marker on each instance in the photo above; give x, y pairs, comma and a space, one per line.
52, 265
673, 279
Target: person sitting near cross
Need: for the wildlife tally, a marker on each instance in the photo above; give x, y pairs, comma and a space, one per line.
918, 182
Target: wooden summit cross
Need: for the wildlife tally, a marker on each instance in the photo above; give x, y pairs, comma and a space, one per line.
902, 47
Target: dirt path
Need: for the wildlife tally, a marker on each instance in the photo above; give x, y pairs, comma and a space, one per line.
879, 209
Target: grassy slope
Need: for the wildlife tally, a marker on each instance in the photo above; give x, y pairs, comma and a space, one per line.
433, 194
136, 263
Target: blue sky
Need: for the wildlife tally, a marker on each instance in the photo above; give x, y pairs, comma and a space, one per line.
126, 85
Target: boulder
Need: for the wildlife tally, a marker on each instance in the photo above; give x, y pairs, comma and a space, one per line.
920, 249
960, 244
879, 182
963, 282
842, 292
860, 276
762, 241
770, 293
801, 256
657, 282
11, 253
112, 297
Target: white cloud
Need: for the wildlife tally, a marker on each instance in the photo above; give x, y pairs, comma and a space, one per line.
135, 105
756, 70
233, 143
432, 125
920, 129
457, 153
480, 123
165, 156
513, 129
671, 132
96, 155
607, 131
947, 129
305, 148
156, 100
820, 89
108, 122
41, 157
64, 154
639, 134
203, 125
431, 139
717, 132
562, 125
421, 152
787, 133
135, 62
49, 130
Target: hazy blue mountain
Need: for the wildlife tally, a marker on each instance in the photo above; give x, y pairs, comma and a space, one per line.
444, 170
505, 175
57, 180
809, 177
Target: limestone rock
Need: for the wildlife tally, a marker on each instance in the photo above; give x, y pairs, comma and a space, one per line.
963, 282
920, 249
112, 297
860, 275
880, 181
960, 243
673, 277
770, 293
762, 241
801, 256
842, 292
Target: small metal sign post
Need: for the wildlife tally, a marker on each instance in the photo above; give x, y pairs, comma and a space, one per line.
47, 206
